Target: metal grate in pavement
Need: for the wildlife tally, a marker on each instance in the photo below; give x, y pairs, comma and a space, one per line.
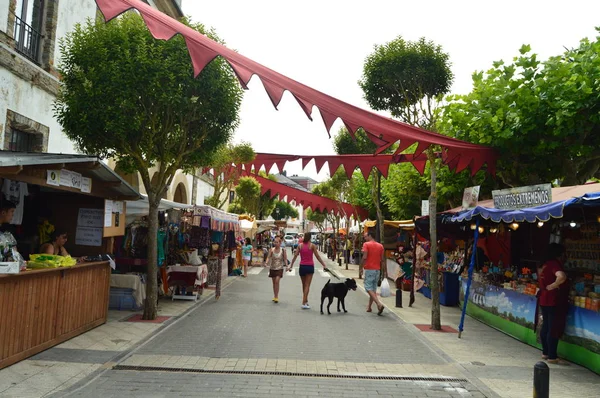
292, 374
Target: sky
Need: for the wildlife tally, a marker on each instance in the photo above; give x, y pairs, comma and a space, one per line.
324, 43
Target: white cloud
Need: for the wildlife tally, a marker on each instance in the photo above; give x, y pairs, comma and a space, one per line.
588, 334
502, 302
526, 312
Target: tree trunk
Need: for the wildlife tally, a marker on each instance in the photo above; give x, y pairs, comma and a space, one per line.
380, 226
433, 271
151, 305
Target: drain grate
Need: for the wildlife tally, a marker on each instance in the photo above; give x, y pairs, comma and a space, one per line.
291, 374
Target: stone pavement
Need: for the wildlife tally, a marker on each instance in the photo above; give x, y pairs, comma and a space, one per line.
63, 366
245, 345
501, 363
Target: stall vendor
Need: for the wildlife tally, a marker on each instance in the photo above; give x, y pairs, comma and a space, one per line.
7, 210
56, 245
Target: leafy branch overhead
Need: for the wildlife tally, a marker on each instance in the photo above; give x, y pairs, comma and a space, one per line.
543, 117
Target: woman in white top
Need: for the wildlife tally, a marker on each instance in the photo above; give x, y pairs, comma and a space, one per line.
276, 261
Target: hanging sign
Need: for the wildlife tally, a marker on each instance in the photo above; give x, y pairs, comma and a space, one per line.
88, 236
522, 197
91, 218
108, 210
65, 178
53, 177
86, 185
424, 208
75, 180
470, 197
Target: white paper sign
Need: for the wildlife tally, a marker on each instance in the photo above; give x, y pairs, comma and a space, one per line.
118, 207
91, 218
53, 177
424, 207
76, 180
65, 178
86, 185
108, 210
88, 236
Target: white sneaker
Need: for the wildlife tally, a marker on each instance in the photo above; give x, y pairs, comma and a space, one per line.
305, 306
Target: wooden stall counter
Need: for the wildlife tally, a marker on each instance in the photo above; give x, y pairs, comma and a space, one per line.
42, 308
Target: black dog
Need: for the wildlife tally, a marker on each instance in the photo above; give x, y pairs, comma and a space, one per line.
339, 290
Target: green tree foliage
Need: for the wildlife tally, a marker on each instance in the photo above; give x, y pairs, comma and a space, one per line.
543, 117
286, 210
408, 79
127, 96
250, 200
345, 144
317, 217
225, 174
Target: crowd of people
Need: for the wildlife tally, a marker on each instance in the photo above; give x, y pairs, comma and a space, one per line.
276, 259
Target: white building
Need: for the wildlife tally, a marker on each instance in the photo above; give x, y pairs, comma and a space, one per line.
30, 31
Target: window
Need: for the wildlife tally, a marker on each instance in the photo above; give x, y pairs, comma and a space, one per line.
21, 141
231, 196
28, 27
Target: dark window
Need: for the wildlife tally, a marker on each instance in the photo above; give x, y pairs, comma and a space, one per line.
21, 141
231, 196
28, 24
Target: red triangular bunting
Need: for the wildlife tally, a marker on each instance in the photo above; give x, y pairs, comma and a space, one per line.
111, 9
319, 162
200, 55
274, 91
280, 165
306, 106
349, 171
158, 29
328, 119
305, 161
242, 74
421, 148
420, 165
333, 166
384, 169
366, 172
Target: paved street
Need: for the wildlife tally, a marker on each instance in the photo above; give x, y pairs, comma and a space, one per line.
245, 345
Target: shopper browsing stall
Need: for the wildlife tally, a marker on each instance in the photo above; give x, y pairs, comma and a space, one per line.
56, 245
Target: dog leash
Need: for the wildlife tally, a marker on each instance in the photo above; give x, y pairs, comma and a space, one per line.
334, 275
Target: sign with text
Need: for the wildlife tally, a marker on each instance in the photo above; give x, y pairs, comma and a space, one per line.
108, 210
65, 178
91, 218
424, 208
522, 197
470, 197
86, 185
88, 236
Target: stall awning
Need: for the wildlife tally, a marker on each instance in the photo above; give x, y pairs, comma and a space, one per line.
220, 220
534, 214
403, 224
383, 131
33, 168
141, 207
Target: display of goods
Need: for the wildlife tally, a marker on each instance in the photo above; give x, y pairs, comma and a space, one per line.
50, 261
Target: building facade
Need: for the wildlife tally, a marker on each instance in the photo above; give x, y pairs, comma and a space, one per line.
30, 32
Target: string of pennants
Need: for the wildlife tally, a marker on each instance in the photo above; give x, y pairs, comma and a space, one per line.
383, 131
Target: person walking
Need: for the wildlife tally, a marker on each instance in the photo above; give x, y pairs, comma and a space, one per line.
372, 261
276, 261
306, 251
553, 301
247, 255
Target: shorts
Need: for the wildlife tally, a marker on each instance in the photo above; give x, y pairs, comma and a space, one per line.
306, 269
247, 258
273, 273
371, 279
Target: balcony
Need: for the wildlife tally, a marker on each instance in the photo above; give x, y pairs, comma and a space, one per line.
27, 40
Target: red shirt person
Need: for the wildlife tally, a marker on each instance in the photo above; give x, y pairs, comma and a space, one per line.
553, 301
372, 260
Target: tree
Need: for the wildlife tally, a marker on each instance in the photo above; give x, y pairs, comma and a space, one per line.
408, 80
250, 200
543, 117
286, 210
222, 163
345, 144
127, 96
317, 217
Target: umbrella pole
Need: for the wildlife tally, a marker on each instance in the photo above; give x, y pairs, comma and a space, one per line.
469, 280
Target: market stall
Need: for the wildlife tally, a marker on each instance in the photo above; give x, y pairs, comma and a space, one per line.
511, 247
73, 206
